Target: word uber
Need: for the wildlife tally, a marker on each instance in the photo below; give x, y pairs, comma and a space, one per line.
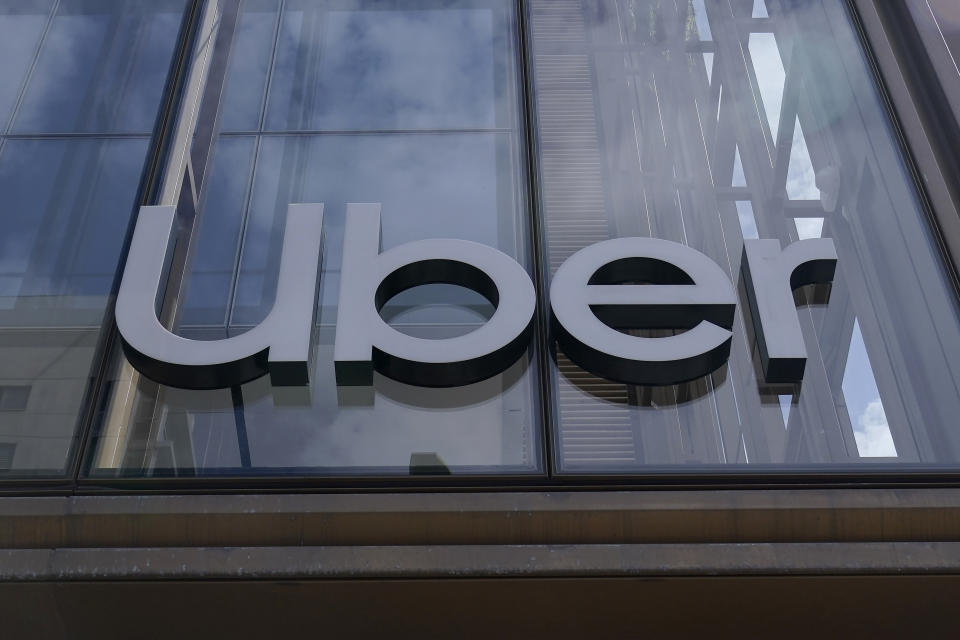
621, 284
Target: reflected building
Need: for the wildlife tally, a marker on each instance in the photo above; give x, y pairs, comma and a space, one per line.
538, 128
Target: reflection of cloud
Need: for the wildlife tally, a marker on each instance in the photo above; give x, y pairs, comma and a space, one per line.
386, 70
430, 185
748, 223
809, 227
20, 35
101, 69
771, 76
873, 433
801, 179
62, 234
485, 424
249, 59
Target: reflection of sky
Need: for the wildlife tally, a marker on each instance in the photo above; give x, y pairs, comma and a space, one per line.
218, 237
131, 42
367, 69
748, 224
18, 39
771, 76
739, 179
464, 425
430, 185
385, 70
863, 402
703, 23
801, 183
63, 226
439, 186
808, 228
249, 62
759, 9
101, 66
801, 179
490, 423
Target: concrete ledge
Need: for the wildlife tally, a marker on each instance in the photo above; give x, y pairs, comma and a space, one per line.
484, 561
535, 518
848, 607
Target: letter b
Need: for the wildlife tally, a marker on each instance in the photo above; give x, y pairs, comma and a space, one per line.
369, 279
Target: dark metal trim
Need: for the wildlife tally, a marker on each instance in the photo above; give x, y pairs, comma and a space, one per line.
920, 113
530, 147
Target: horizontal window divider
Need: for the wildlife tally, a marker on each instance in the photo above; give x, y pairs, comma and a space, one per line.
80, 134
318, 132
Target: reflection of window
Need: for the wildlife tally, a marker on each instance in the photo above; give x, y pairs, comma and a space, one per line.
7, 450
14, 397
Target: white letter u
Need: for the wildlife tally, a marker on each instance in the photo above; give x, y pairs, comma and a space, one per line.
280, 345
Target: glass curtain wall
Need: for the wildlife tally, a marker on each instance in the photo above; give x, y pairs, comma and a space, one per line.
705, 123
710, 122
80, 85
413, 105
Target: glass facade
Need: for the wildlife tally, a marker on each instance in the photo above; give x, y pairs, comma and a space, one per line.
708, 123
537, 128
80, 87
414, 105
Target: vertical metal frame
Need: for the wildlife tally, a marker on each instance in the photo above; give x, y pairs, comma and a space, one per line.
155, 188
537, 234
922, 112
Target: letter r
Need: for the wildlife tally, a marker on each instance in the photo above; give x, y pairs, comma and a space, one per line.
771, 274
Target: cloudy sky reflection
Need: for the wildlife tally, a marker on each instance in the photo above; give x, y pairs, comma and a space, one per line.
403, 104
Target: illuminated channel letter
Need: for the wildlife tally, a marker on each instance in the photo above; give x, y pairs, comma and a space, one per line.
369, 279
280, 345
771, 274
591, 297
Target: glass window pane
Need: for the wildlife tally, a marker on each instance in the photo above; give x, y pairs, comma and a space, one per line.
250, 58
101, 67
786, 138
413, 105
393, 65
21, 26
67, 68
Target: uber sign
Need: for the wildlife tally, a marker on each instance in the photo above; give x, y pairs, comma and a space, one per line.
626, 283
